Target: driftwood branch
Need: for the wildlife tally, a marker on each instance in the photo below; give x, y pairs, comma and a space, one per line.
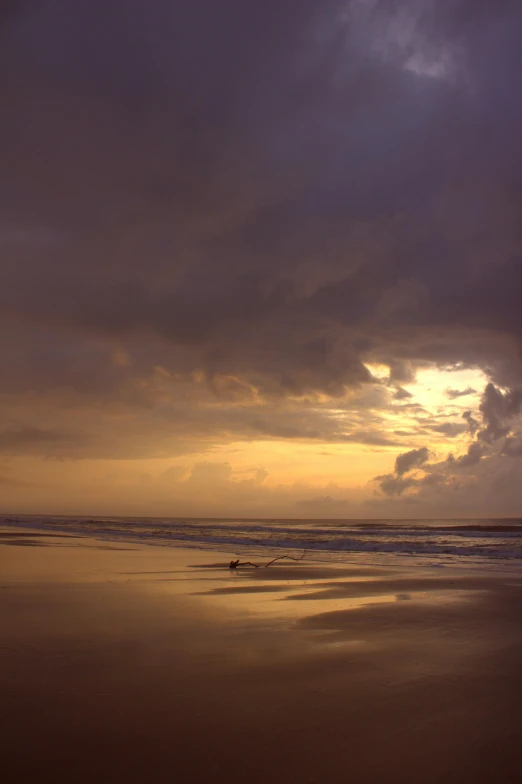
292, 558
236, 564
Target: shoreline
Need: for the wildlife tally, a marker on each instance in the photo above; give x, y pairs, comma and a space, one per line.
469, 557
120, 662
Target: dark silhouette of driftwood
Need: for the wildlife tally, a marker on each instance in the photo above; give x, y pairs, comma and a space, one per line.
236, 564
291, 557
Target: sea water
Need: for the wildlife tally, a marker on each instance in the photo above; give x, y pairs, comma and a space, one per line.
492, 542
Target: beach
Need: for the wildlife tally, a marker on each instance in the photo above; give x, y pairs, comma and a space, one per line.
128, 662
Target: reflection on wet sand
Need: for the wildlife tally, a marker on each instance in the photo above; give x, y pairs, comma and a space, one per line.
130, 663
270, 592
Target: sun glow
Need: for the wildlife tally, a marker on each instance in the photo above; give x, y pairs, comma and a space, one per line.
328, 453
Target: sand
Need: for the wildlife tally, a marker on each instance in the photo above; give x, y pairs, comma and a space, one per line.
121, 663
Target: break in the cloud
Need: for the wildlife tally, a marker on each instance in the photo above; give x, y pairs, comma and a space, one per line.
219, 218
491, 461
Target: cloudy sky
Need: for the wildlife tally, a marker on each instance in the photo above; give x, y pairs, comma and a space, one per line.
261, 258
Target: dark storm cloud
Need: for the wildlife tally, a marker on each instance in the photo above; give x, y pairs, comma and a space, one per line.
402, 394
393, 485
475, 452
412, 459
450, 429
397, 483
498, 409
455, 393
473, 424
158, 416
22, 439
512, 447
401, 371
283, 426
275, 192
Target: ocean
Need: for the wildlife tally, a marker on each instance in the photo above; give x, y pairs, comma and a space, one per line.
493, 542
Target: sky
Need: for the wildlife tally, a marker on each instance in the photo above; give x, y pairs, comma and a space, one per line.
261, 259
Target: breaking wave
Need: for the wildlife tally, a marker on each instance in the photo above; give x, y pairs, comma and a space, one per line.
443, 541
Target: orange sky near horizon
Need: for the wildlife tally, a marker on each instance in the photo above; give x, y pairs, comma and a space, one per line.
267, 477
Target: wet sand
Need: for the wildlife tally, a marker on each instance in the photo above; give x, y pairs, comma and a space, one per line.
125, 663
